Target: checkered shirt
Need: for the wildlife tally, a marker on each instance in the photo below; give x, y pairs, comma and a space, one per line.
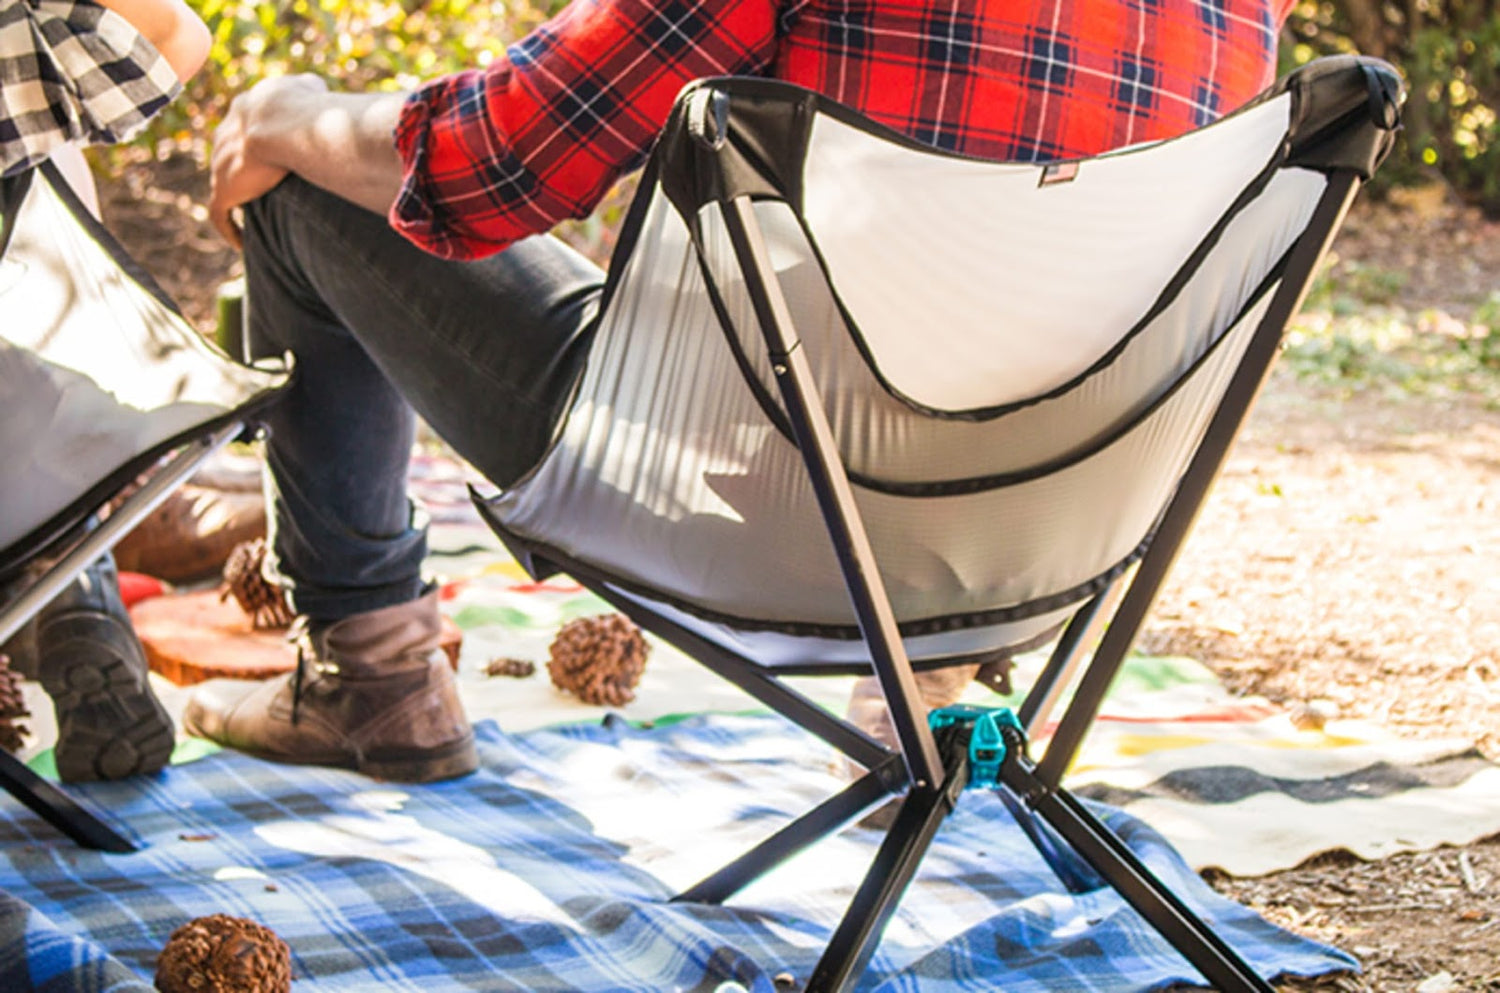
70, 70
541, 135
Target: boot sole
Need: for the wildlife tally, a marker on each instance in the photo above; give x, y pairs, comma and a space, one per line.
431, 765
109, 723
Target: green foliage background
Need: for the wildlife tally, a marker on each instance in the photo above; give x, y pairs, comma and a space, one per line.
1449, 51
357, 44
363, 43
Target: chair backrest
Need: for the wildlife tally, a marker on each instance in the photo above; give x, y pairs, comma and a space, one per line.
100, 374
1018, 361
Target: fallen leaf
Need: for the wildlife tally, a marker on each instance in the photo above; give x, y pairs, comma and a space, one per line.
1440, 982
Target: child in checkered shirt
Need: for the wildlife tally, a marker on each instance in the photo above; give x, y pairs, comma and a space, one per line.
79, 70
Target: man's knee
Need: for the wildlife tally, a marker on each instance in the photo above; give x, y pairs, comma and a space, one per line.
263, 217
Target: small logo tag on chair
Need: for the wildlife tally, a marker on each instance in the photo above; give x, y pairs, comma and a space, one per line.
1059, 172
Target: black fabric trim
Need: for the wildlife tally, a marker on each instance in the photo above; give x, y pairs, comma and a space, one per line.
766, 141
540, 560
630, 233
1003, 652
976, 484
12, 193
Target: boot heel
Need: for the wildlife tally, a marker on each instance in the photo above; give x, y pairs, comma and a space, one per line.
427, 766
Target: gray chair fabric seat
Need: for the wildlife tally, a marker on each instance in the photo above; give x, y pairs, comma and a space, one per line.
997, 351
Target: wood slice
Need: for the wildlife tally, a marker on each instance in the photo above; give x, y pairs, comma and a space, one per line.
194, 636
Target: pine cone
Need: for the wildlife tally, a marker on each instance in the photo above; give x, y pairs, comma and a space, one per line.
599, 659
223, 954
264, 601
12, 708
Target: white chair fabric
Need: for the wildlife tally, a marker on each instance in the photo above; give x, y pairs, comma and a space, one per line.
1017, 362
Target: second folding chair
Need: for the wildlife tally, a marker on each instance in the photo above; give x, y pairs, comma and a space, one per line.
102, 381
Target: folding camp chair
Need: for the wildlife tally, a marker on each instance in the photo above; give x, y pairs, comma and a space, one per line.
856, 405
100, 378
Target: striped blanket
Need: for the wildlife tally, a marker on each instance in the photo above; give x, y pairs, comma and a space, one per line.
552, 869
1228, 780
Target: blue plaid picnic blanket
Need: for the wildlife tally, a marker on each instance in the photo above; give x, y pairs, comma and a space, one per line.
552, 869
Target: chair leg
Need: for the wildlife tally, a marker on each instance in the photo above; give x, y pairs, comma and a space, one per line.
1220, 964
1076, 875
58, 809
813, 826
854, 941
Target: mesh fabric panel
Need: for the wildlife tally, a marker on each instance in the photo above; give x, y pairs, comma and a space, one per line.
672, 474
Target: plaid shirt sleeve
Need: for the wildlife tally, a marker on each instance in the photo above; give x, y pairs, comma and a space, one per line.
71, 70
539, 136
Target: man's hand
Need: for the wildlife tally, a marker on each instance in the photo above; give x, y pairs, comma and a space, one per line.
242, 166
343, 142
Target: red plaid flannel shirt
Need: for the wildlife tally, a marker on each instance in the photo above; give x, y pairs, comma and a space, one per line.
496, 154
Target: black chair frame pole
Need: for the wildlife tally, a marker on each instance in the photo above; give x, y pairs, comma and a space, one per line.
814, 438
933, 790
1187, 501
52, 805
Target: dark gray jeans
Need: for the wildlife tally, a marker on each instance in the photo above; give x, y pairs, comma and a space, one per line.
486, 352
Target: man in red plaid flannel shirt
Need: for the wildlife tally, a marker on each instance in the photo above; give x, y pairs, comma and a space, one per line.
393, 242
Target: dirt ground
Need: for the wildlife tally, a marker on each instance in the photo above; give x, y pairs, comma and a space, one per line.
1345, 559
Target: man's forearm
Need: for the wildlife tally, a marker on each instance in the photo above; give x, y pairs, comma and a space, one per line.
340, 141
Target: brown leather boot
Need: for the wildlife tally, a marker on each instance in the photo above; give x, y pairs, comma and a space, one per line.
190, 536
370, 693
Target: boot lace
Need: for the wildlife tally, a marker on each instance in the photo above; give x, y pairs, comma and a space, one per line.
298, 634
